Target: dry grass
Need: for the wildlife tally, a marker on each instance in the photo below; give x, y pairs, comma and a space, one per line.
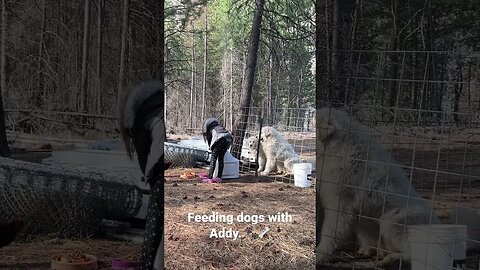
188, 246
285, 246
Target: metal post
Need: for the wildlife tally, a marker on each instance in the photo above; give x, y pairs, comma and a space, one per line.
258, 146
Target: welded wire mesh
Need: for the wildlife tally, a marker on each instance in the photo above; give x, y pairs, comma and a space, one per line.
181, 156
65, 199
423, 107
297, 126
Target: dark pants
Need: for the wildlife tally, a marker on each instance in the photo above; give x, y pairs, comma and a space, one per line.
218, 152
147, 136
154, 224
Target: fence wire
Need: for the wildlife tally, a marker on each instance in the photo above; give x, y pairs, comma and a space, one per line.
423, 107
64, 199
297, 126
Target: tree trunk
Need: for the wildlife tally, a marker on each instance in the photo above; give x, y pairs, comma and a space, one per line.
224, 103
353, 36
231, 88
86, 50
335, 58
458, 92
244, 69
469, 86
101, 4
414, 98
60, 78
241, 125
160, 40
300, 90
270, 83
41, 95
204, 85
123, 56
394, 58
327, 36
4, 150
428, 46
192, 83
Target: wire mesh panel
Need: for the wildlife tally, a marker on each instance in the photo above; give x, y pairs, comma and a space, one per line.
292, 141
401, 148
181, 156
62, 199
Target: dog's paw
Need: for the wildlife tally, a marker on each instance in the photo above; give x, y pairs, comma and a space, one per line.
323, 254
322, 258
264, 173
390, 259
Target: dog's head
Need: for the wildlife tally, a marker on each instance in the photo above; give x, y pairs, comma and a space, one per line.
332, 121
253, 143
268, 132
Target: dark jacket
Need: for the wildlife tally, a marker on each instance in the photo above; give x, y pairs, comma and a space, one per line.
214, 132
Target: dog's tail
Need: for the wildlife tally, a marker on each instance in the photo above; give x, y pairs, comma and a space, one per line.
471, 218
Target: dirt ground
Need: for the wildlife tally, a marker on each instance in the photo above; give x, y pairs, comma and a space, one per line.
454, 172
188, 246
285, 246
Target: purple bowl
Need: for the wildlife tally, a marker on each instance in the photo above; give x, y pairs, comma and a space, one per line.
120, 263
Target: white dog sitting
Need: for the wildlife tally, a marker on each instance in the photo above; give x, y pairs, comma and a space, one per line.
262, 159
275, 153
380, 192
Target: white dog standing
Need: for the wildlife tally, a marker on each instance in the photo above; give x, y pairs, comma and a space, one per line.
351, 187
275, 153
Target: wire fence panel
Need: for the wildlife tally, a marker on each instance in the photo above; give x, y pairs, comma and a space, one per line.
65, 199
422, 108
296, 126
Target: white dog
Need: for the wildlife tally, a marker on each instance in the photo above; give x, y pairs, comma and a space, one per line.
262, 159
275, 153
351, 187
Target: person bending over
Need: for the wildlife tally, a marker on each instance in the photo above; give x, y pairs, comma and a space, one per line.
218, 140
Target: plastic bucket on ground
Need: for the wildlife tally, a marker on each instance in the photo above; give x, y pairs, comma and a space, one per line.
437, 246
300, 173
231, 167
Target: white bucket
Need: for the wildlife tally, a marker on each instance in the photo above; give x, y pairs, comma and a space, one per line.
300, 173
438, 246
231, 167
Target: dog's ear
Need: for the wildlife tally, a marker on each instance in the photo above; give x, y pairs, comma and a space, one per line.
327, 122
247, 135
